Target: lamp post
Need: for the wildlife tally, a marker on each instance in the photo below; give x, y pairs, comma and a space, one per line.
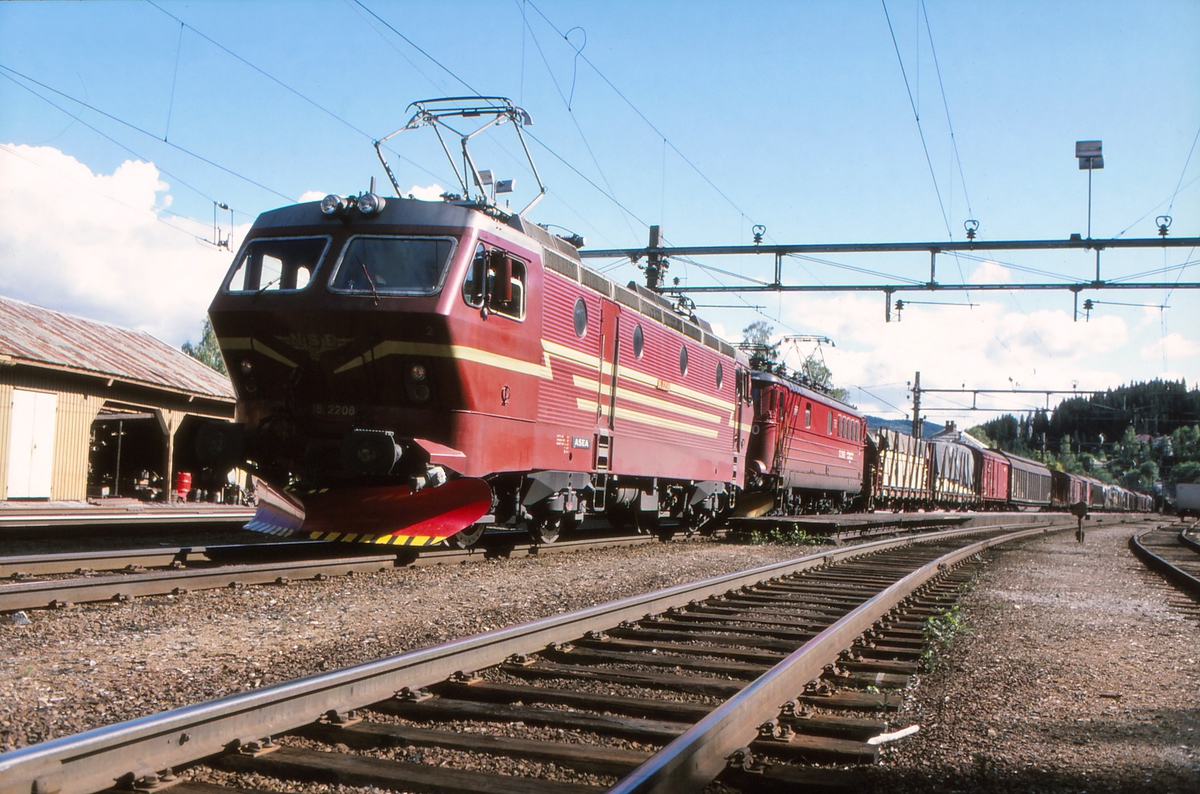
1090, 158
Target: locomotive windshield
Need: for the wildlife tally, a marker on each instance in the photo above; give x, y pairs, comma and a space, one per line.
277, 264
393, 265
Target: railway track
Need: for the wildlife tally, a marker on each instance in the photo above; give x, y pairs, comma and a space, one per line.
652, 693
1173, 551
75, 577
150, 572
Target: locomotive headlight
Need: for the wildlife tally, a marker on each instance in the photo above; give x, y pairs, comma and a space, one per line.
369, 204
416, 383
333, 204
246, 367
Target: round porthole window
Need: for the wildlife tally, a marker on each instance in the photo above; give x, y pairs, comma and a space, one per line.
639, 341
580, 317
720, 374
683, 360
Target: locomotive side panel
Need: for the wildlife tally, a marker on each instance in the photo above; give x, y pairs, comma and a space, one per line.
669, 414
675, 407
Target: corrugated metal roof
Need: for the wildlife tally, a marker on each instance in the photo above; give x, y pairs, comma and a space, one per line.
38, 336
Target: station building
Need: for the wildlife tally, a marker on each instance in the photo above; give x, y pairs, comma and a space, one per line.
89, 409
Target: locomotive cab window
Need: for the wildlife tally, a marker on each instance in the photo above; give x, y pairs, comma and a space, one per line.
277, 265
393, 265
496, 282
829, 423
808, 414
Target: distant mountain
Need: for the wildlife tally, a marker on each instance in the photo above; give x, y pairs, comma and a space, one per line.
903, 426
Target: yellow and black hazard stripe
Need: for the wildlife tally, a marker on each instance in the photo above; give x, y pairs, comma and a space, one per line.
382, 540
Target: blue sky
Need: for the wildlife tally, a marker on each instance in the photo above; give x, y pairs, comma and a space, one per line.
704, 117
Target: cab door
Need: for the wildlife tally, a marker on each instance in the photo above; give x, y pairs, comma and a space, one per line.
610, 352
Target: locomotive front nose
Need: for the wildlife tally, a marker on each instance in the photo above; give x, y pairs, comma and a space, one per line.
370, 452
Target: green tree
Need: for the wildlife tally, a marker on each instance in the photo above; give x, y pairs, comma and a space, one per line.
1186, 472
764, 356
981, 435
817, 371
207, 351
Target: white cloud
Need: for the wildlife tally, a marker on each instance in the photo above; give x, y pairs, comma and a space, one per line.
981, 347
431, 193
1172, 346
313, 195
990, 272
96, 245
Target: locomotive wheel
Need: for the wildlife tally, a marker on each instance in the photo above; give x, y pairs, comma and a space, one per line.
466, 538
545, 529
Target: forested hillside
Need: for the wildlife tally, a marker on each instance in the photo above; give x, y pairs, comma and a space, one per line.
1134, 435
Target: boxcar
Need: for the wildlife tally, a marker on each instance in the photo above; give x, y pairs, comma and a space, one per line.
953, 475
991, 479
1067, 489
1028, 482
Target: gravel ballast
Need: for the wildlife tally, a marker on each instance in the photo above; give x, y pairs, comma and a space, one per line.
1079, 672
68, 671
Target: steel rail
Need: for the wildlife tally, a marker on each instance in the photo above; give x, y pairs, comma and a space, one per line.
116, 559
77, 590
1188, 540
91, 761
1160, 564
16, 518
692, 761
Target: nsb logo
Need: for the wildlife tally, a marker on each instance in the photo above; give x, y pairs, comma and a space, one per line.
313, 344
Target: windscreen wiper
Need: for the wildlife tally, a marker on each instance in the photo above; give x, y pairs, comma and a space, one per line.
370, 281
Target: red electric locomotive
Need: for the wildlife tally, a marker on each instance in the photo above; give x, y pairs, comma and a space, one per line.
411, 371
806, 449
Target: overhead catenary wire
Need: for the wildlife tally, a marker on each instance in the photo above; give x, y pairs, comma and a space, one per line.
417, 47
6, 148
917, 116
174, 81
261, 71
946, 104
289, 88
574, 120
135, 128
1183, 173
642, 115
127, 124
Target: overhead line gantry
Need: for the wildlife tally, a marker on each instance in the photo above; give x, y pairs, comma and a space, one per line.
658, 255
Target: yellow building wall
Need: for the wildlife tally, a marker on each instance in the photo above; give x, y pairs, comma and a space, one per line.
73, 418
